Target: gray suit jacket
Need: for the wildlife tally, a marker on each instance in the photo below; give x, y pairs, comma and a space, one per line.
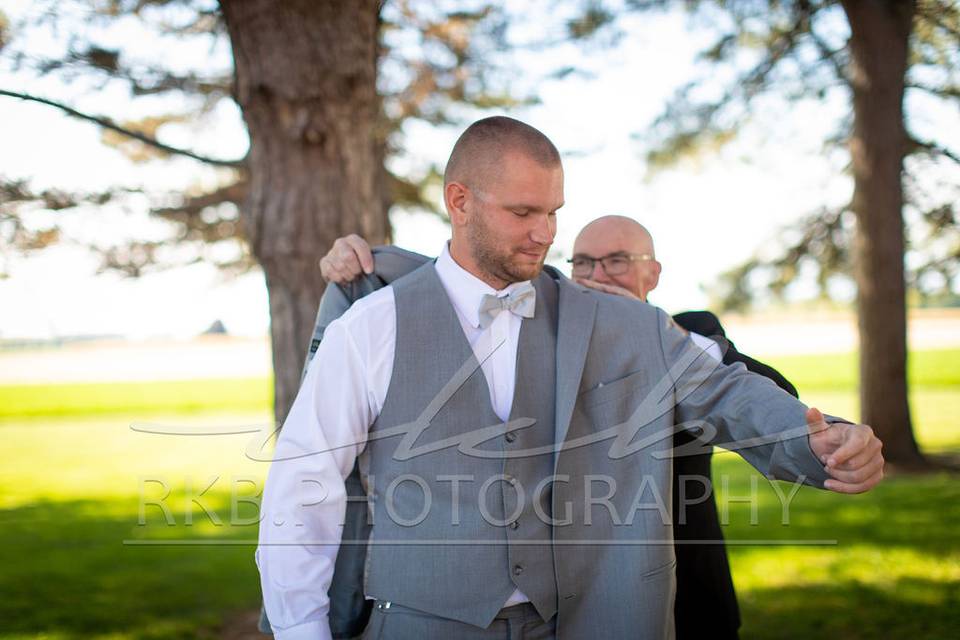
621, 387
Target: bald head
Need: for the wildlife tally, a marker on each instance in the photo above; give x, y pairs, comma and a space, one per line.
612, 235
477, 157
624, 232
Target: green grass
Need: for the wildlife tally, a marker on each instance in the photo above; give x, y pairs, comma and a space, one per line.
927, 369
72, 488
235, 394
892, 572
837, 372
73, 494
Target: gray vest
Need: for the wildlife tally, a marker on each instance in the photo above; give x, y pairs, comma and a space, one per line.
467, 528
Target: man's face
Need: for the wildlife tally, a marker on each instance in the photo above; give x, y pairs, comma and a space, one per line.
611, 237
513, 220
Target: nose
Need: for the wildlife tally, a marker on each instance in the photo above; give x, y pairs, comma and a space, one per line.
544, 230
598, 274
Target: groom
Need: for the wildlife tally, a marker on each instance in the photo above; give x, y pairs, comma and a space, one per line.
614, 254
486, 370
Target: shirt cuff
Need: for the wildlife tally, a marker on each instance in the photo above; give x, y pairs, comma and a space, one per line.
793, 459
313, 630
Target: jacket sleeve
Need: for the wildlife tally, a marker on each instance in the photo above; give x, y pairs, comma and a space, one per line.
390, 263
751, 415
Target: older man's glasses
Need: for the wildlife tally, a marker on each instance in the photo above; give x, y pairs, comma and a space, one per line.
615, 264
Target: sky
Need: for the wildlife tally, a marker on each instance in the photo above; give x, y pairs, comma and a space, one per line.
706, 216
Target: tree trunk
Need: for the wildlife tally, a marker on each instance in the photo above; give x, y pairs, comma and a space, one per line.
880, 32
305, 78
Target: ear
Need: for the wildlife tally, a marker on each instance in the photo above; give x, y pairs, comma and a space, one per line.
455, 198
655, 277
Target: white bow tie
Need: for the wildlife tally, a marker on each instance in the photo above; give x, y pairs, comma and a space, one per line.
521, 301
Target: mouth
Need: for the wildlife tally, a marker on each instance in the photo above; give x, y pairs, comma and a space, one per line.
533, 255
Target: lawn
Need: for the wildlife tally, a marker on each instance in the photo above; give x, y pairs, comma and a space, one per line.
167, 396
89, 551
70, 521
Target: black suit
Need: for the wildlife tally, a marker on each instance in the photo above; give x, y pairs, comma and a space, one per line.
706, 603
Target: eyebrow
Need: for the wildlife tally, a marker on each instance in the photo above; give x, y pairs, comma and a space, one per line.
530, 207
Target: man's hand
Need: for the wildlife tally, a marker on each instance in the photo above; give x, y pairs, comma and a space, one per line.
850, 453
347, 259
606, 288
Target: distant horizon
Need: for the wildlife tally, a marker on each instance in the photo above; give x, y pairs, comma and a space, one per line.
822, 309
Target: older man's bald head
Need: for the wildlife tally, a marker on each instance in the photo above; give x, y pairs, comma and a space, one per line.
625, 233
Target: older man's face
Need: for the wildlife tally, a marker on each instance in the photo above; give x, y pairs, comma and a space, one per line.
608, 238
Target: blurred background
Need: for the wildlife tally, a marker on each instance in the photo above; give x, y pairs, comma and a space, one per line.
172, 170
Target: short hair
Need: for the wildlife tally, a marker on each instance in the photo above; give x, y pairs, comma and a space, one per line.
479, 150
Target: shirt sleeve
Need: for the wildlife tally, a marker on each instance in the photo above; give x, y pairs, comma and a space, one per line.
708, 345
304, 499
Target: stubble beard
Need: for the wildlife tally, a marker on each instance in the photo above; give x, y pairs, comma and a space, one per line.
494, 262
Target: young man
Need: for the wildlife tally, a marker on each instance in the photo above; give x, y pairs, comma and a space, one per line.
614, 254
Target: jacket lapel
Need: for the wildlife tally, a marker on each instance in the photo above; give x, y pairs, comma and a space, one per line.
574, 328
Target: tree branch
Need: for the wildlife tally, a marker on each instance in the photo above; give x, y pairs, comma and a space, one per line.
106, 123
938, 92
933, 148
829, 55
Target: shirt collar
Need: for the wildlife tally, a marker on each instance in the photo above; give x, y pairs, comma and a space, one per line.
464, 289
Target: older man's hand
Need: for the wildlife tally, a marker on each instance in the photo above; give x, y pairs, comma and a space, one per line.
851, 453
606, 288
349, 257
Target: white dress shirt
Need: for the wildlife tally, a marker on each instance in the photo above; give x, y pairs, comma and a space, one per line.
340, 397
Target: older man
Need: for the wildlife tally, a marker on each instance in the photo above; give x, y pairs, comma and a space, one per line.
485, 399
613, 254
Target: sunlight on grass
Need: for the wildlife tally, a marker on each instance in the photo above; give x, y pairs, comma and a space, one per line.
103, 457
762, 569
233, 394
928, 369
75, 490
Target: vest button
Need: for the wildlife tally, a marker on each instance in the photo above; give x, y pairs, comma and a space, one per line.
510, 436
517, 570
514, 524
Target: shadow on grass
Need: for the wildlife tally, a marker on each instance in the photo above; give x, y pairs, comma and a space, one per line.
921, 512
67, 574
909, 609
894, 572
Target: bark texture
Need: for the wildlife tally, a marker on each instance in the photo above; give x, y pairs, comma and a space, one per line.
879, 45
305, 78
